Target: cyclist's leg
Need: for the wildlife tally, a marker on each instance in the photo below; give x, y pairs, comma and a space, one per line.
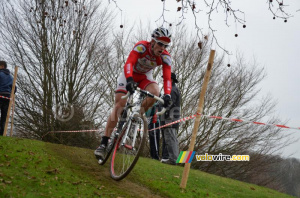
149, 84
120, 91
112, 119
148, 102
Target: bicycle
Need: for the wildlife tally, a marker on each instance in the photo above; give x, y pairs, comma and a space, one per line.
127, 141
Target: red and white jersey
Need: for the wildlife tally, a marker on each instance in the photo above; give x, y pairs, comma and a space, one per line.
141, 61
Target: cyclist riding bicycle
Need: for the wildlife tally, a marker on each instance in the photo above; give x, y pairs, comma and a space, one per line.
138, 69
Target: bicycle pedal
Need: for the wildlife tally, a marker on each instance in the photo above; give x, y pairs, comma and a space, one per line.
100, 161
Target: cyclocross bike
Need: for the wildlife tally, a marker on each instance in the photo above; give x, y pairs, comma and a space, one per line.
128, 139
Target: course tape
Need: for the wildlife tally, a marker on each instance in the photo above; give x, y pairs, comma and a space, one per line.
175, 122
189, 118
228, 119
78, 131
5, 97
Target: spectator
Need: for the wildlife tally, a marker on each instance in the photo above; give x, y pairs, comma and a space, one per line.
6, 81
170, 147
154, 135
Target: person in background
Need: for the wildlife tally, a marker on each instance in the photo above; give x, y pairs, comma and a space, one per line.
170, 145
154, 135
6, 81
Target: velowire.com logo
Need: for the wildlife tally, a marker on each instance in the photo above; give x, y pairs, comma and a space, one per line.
187, 157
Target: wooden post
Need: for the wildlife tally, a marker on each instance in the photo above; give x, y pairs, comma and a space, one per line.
12, 118
187, 166
12, 95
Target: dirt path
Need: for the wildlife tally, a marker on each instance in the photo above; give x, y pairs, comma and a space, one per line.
85, 159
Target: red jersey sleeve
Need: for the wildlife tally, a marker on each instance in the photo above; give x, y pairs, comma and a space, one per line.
138, 49
166, 63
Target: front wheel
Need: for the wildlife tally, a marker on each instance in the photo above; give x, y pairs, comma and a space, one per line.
128, 147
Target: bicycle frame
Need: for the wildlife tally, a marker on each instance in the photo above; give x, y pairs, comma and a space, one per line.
136, 110
136, 107
139, 102
130, 135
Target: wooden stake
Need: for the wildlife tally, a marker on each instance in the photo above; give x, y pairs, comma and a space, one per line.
187, 166
12, 118
12, 95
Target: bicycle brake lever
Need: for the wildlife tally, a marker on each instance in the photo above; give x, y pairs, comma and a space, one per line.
126, 96
128, 93
161, 112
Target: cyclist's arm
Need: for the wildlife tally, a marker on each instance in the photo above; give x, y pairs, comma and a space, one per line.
166, 62
132, 59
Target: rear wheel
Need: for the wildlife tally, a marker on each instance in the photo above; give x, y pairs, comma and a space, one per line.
128, 148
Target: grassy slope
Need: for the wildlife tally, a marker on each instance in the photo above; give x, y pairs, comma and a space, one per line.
31, 168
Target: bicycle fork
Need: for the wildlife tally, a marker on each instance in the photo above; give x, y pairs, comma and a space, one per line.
131, 126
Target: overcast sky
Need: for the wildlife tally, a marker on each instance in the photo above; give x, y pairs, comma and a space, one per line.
274, 43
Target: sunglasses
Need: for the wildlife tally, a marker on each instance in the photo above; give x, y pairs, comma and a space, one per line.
161, 44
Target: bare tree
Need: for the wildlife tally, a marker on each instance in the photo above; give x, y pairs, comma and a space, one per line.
224, 8
205, 12
232, 93
289, 171
282, 176
70, 66
59, 46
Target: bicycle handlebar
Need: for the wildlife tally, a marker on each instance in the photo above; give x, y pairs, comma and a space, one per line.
126, 96
150, 95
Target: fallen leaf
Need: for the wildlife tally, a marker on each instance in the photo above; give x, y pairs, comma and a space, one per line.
54, 171
37, 162
7, 182
76, 183
24, 166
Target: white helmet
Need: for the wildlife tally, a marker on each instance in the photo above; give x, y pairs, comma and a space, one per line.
162, 34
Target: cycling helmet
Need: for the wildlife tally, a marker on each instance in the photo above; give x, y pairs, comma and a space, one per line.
162, 34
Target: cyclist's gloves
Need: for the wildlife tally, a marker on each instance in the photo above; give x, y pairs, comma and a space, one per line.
131, 85
167, 100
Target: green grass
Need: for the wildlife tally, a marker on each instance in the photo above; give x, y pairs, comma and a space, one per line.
30, 168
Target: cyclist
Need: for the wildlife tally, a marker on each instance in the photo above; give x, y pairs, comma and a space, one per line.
138, 68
